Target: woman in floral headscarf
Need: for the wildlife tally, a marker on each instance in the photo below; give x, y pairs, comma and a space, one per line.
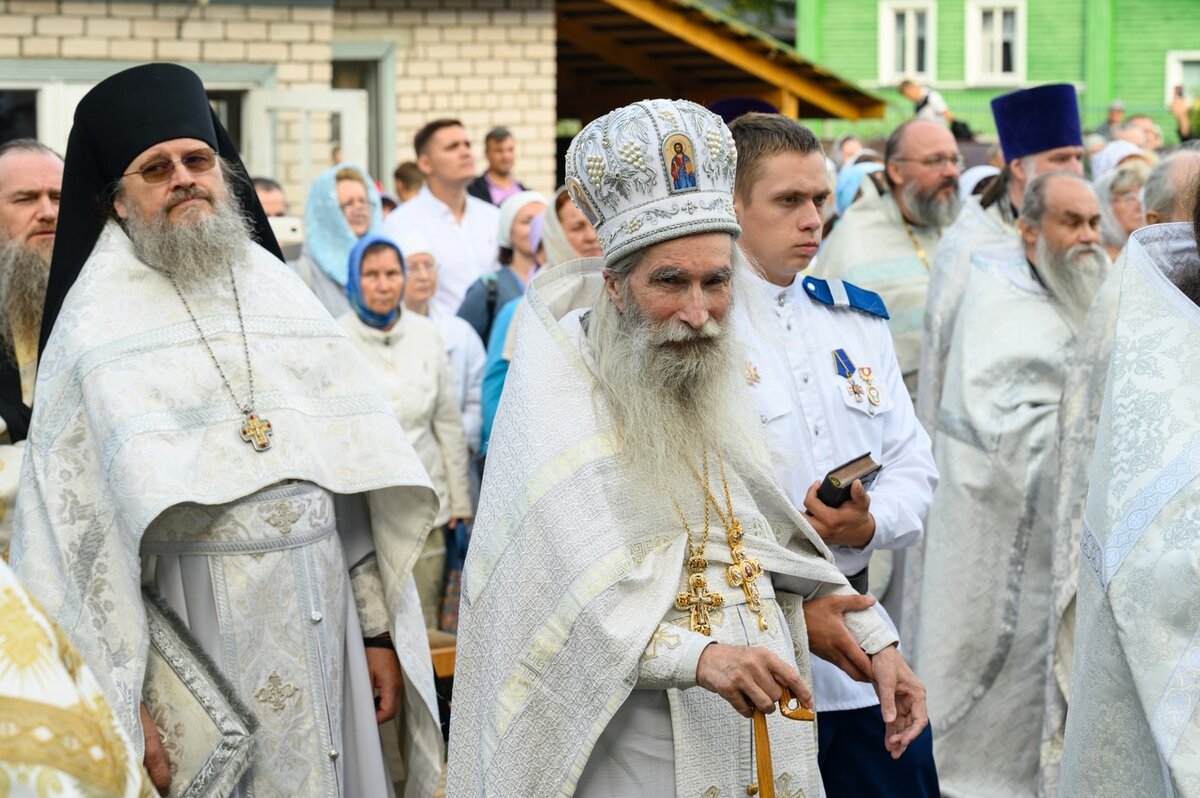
342, 207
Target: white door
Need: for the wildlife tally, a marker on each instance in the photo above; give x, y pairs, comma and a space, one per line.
285, 132
56, 103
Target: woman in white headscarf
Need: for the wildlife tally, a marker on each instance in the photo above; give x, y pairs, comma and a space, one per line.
342, 207
519, 235
567, 235
463, 347
1121, 211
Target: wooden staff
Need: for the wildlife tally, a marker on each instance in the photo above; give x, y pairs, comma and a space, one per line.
762, 743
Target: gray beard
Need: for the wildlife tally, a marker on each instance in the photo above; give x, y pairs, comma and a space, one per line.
926, 210
194, 251
674, 392
24, 272
1072, 277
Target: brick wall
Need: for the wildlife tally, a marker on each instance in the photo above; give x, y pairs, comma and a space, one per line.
486, 62
296, 40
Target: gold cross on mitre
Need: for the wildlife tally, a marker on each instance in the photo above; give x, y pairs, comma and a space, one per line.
257, 432
698, 601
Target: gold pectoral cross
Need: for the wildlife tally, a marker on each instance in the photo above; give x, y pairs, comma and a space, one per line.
257, 432
744, 573
698, 601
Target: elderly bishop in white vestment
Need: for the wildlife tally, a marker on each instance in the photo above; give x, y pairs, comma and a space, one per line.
592, 589
1133, 726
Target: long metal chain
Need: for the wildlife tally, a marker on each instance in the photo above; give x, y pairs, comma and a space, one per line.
249, 408
695, 551
916, 244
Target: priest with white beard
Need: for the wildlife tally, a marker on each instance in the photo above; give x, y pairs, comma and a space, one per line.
1039, 132
982, 631
1133, 728
202, 426
633, 590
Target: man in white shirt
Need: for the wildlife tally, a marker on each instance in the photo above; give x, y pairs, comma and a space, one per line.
827, 387
462, 229
927, 103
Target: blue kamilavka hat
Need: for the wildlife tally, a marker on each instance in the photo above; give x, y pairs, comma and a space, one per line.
1038, 119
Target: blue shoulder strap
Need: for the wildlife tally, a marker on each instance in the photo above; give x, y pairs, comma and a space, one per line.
841, 294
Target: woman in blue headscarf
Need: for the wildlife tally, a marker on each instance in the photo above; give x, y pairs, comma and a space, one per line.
407, 359
342, 207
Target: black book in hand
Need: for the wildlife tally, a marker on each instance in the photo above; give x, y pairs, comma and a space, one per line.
835, 490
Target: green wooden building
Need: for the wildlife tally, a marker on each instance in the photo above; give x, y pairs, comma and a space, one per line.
972, 50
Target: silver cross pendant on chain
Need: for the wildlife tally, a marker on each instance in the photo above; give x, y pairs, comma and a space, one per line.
254, 429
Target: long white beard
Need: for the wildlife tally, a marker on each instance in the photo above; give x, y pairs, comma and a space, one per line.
24, 272
193, 251
1072, 277
674, 392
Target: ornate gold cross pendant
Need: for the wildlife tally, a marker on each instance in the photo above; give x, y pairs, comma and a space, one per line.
744, 573
698, 601
257, 432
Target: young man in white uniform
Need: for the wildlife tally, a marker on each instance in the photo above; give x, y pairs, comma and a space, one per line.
823, 373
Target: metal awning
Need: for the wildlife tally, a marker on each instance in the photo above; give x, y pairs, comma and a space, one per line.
614, 52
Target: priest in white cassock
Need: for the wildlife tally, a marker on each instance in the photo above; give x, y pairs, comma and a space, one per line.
1133, 728
632, 592
1039, 132
30, 182
203, 427
982, 631
1170, 193
884, 243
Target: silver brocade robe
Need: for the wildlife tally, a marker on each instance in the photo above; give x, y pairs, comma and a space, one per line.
1133, 726
262, 585
981, 633
977, 232
133, 421
1077, 421
712, 752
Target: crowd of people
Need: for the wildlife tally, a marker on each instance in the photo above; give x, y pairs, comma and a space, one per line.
727, 435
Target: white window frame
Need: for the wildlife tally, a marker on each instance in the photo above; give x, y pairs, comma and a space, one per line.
888, 76
1174, 71
975, 76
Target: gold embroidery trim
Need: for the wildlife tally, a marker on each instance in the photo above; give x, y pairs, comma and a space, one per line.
66, 739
